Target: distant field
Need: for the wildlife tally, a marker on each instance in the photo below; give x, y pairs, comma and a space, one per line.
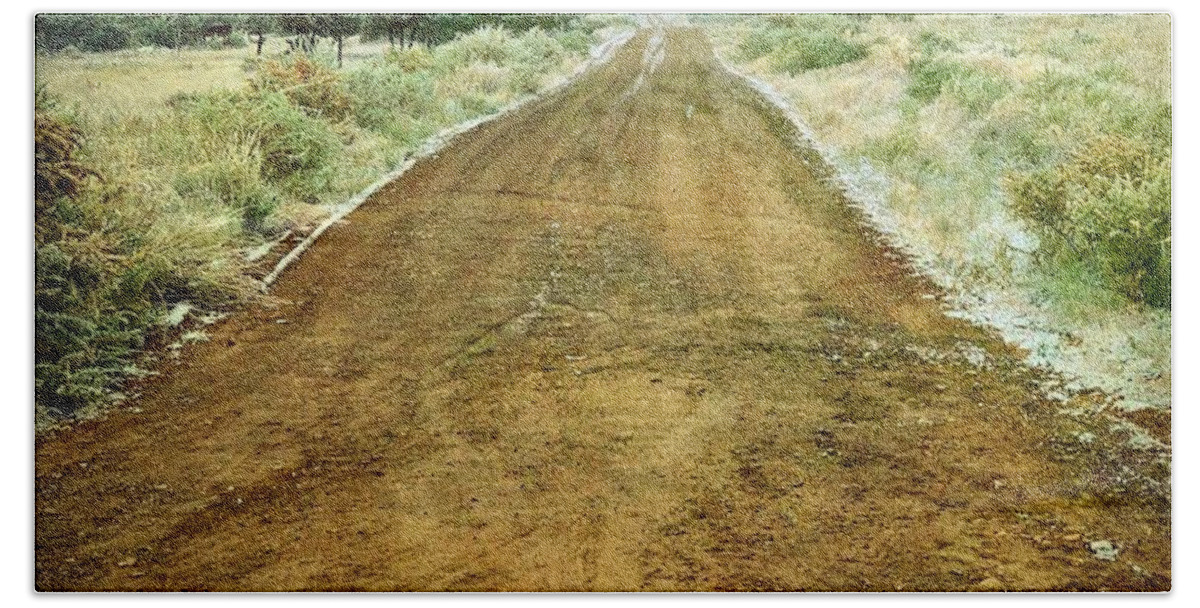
139, 80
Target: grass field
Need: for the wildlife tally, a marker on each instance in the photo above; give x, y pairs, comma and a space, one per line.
140, 81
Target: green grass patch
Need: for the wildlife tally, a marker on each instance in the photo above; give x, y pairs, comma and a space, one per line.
815, 51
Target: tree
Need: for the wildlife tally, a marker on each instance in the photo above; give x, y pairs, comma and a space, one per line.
303, 27
153, 30
258, 25
84, 32
338, 26
385, 25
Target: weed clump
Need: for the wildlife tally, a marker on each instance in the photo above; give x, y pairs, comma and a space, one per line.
975, 91
306, 83
394, 100
57, 174
259, 129
488, 44
794, 44
416, 58
815, 51
1108, 204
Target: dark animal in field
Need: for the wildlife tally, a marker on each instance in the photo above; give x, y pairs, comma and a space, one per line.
218, 29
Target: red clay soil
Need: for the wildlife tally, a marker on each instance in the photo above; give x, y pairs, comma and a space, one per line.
625, 339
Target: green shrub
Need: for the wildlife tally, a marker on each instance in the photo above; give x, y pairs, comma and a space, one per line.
815, 51
117, 256
415, 58
233, 180
574, 42
472, 104
526, 79
388, 97
306, 83
57, 174
487, 44
761, 42
976, 92
537, 50
98, 349
298, 151
928, 77
84, 340
932, 43
1108, 204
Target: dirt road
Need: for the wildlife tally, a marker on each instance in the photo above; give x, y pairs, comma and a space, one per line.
623, 339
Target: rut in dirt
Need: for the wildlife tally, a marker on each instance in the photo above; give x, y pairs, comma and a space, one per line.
626, 338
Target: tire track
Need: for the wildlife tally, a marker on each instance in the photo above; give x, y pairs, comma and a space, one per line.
625, 338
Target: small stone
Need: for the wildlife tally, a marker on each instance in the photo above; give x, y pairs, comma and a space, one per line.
127, 562
990, 584
1103, 550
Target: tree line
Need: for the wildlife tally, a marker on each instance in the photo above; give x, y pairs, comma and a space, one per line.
111, 32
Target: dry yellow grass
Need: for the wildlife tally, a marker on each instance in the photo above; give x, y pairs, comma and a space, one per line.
140, 80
